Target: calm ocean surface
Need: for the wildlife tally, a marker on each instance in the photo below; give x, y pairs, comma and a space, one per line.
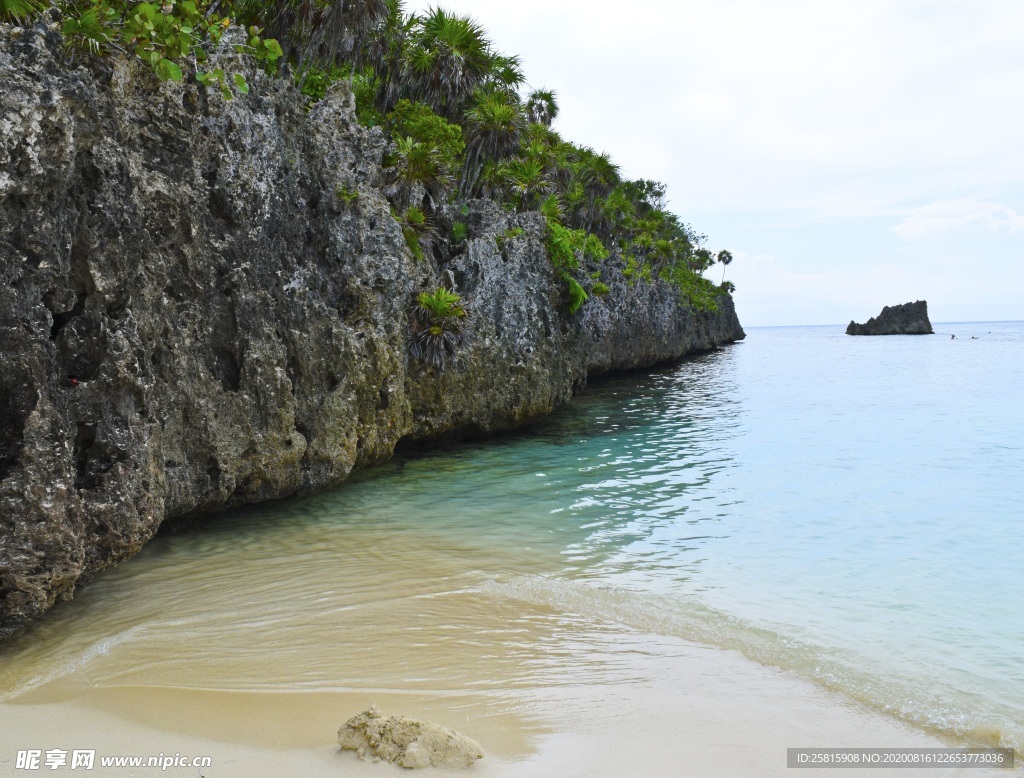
848, 509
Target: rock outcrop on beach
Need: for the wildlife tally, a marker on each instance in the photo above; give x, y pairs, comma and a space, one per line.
407, 742
206, 303
906, 319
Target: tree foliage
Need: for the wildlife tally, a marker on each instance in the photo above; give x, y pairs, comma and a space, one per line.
447, 58
541, 107
419, 122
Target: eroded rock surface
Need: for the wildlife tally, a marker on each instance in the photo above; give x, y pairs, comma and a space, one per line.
906, 319
407, 742
205, 303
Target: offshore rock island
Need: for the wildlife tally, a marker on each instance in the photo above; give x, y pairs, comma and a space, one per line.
209, 302
906, 319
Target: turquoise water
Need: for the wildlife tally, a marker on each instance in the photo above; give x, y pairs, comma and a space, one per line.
848, 509
851, 509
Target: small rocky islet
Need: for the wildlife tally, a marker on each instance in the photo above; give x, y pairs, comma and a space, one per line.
906, 319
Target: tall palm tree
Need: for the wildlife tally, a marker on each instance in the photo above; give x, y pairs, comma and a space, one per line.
542, 107
598, 176
725, 257
494, 129
384, 52
505, 74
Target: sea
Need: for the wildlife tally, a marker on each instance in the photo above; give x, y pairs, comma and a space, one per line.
848, 510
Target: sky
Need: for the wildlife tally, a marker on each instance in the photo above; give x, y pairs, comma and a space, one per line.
849, 155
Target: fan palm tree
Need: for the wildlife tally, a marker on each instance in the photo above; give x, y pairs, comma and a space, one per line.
524, 180
541, 107
14, 10
437, 326
384, 52
412, 163
597, 176
725, 257
447, 59
505, 74
494, 128
327, 33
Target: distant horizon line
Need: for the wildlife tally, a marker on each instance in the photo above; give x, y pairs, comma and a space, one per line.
972, 321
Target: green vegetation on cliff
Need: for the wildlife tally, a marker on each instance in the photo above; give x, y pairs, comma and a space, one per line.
453, 106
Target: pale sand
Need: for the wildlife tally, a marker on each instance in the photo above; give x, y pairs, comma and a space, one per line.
680, 710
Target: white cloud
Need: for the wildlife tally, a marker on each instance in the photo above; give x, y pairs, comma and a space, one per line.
947, 215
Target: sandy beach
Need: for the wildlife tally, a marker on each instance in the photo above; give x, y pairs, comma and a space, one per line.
687, 710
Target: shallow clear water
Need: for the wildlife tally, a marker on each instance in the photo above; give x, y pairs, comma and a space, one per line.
849, 509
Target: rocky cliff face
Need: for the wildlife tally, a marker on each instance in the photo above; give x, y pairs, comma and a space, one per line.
191, 318
906, 319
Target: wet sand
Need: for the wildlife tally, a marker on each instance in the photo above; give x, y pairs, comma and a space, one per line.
678, 709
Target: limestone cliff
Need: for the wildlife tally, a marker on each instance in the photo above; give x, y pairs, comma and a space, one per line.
191, 318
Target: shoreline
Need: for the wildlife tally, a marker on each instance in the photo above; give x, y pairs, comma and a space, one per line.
682, 709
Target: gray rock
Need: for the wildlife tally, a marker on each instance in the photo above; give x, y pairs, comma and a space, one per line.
407, 742
192, 318
906, 319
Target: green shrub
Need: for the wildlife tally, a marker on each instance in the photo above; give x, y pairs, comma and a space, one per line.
163, 37
315, 82
566, 247
503, 239
577, 294
697, 291
419, 122
562, 244
636, 270
346, 195
437, 326
460, 233
415, 228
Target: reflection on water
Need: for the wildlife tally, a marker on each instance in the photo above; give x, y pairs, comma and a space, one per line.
773, 498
